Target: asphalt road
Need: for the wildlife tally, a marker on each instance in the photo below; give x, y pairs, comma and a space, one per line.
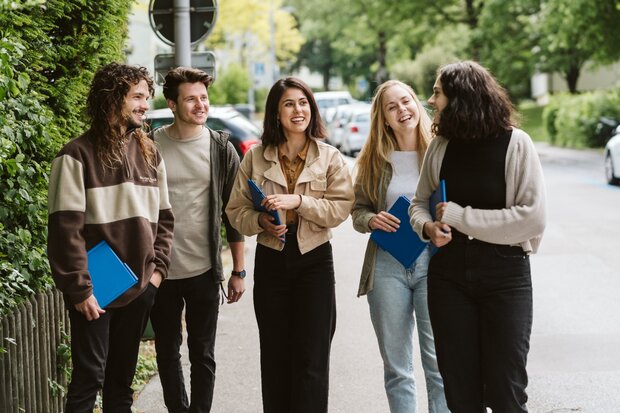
574, 363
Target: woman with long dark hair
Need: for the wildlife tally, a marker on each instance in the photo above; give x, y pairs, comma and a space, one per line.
479, 284
308, 183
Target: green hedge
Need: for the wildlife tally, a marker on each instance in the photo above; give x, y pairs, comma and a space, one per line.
570, 120
49, 51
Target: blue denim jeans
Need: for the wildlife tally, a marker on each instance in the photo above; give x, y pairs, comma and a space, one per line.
398, 300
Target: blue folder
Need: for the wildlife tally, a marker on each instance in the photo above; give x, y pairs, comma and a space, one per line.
110, 276
257, 198
404, 244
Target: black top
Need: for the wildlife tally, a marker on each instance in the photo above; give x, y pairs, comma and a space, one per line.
475, 172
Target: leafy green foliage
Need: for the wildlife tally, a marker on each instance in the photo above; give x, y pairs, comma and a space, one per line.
49, 51
231, 87
571, 120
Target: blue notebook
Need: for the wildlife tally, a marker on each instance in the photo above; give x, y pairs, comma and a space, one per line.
110, 276
257, 198
438, 195
404, 244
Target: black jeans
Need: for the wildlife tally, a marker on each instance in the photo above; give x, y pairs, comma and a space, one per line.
200, 296
295, 306
105, 353
480, 304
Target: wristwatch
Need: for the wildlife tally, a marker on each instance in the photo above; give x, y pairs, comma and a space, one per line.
240, 274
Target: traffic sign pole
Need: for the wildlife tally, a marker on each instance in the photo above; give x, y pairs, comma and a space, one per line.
182, 44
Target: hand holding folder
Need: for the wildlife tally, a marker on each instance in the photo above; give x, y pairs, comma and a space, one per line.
404, 244
110, 276
257, 200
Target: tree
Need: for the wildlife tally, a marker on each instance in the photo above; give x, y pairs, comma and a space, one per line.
575, 32
247, 27
506, 43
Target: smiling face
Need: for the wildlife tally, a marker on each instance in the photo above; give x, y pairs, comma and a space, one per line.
192, 105
294, 112
400, 110
135, 105
438, 100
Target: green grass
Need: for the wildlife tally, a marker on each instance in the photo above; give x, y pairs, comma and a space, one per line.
531, 121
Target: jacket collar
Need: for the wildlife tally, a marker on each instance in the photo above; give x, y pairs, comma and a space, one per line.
275, 174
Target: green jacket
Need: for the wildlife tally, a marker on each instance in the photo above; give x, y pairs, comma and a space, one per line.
363, 210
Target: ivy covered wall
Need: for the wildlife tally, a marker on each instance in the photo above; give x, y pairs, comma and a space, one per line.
49, 51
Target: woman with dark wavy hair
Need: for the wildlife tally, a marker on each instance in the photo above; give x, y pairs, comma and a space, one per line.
479, 284
308, 183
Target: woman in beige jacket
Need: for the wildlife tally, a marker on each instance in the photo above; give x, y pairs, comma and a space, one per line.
308, 183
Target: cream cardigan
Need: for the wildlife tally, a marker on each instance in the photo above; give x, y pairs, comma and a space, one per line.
521, 222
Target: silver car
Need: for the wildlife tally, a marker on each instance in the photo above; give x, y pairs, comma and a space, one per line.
338, 121
355, 131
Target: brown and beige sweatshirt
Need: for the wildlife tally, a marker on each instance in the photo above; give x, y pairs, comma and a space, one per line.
127, 206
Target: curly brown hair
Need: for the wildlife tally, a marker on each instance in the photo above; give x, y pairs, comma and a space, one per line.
104, 106
478, 107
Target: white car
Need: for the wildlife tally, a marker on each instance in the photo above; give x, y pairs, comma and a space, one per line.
341, 116
326, 100
612, 159
355, 132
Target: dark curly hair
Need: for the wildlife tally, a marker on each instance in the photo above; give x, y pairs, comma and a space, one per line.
478, 107
104, 106
184, 75
272, 130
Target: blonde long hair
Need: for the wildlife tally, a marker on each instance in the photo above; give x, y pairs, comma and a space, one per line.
375, 155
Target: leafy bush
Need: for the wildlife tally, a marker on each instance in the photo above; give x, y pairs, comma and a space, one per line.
49, 51
571, 119
231, 86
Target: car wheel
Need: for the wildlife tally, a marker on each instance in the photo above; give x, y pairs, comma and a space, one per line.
609, 171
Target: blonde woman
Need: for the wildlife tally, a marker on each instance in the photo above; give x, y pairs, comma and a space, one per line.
388, 167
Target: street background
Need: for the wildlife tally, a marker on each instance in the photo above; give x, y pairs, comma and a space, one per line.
574, 363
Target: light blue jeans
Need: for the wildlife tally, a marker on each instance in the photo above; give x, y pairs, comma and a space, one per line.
397, 301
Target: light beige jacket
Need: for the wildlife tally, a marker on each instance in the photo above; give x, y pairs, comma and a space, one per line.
521, 222
324, 184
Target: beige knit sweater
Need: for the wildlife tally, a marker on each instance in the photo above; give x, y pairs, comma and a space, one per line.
521, 222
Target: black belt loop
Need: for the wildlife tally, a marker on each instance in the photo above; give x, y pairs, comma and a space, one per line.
291, 229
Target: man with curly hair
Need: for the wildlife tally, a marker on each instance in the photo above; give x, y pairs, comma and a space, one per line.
109, 184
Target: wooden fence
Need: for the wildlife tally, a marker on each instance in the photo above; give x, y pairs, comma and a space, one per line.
31, 377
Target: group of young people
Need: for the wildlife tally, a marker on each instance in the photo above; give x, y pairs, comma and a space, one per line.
471, 298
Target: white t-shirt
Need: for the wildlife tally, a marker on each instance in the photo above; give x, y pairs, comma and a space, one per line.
188, 167
405, 176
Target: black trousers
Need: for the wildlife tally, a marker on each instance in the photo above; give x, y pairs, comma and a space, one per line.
295, 306
200, 296
104, 353
480, 304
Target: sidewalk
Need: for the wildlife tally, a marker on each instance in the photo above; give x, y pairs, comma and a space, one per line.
356, 377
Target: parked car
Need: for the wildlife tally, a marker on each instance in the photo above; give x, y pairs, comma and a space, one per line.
612, 159
326, 100
243, 133
355, 132
341, 116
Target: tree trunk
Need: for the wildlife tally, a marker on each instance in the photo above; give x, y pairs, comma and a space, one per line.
382, 73
572, 76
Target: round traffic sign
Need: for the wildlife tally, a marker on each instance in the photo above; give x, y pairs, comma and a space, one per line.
202, 15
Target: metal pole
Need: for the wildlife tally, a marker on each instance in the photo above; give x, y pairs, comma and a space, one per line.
182, 39
272, 46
